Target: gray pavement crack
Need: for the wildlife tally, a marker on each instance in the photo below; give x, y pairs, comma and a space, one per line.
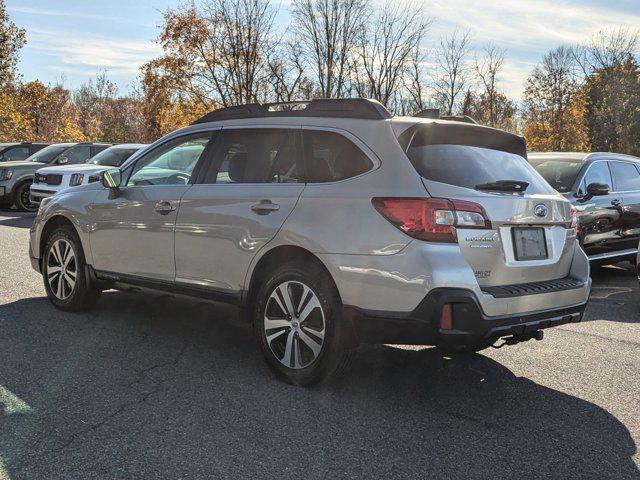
124, 406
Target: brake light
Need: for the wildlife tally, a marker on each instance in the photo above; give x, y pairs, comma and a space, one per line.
574, 221
432, 219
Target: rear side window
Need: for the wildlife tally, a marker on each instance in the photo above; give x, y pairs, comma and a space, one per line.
625, 176
268, 155
467, 166
331, 157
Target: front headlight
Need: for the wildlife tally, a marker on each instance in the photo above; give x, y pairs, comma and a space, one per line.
5, 174
76, 179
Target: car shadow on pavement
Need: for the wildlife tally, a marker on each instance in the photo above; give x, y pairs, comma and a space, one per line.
11, 218
159, 387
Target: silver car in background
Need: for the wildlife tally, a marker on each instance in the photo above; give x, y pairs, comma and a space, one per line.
329, 223
51, 180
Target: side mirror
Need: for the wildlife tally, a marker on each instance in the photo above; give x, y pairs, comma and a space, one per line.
62, 161
111, 179
595, 190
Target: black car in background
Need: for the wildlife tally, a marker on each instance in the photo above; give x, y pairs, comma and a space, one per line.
10, 152
605, 191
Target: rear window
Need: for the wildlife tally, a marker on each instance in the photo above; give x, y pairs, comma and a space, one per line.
561, 174
467, 166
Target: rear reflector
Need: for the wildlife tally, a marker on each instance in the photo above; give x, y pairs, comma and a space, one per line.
446, 317
432, 219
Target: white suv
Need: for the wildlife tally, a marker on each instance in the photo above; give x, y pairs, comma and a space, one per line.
51, 180
329, 223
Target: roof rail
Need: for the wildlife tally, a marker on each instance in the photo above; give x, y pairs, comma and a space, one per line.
435, 114
359, 108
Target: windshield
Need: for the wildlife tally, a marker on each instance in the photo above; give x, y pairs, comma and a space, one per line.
561, 174
466, 166
49, 153
112, 157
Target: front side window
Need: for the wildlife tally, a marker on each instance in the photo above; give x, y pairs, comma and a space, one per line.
14, 153
170, 164
268, 155
331, 157
597, 173
625, 176
48, 154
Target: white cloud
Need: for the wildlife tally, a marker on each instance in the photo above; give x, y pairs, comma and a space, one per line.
526, 29
84, 53
530, 23
75, 14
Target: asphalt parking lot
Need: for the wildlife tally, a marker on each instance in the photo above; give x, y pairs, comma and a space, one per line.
155, 387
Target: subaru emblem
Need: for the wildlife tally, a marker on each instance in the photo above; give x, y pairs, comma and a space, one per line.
540, 210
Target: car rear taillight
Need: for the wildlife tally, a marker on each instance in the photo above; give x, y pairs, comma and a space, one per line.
574, 221
432, 219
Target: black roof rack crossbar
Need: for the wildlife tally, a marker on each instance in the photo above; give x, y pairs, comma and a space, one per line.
358, 108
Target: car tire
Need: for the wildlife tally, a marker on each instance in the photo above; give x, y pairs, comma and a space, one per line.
21, 198
306, 346
65, 274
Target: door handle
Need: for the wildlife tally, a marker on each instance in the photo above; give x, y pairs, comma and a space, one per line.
164, 208
264, 207
616, 202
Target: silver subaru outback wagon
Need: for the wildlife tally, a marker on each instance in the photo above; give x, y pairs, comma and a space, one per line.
329, 223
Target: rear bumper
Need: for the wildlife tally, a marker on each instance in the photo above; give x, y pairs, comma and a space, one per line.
470, 324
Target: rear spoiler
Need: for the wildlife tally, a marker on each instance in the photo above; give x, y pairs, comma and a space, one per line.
434, 133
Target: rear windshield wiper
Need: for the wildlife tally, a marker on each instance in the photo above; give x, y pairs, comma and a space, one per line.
516, 186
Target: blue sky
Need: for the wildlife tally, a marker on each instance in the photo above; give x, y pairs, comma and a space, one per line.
73, 40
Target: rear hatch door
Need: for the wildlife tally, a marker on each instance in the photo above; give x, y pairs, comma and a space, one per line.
530, 239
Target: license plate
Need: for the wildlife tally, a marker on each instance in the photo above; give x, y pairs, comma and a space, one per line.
529, 243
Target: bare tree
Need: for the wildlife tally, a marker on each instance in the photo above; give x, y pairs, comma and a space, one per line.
414, 98
216, 51
328, 31
451, 77
606, 49
487, 69
288, 78
386, 46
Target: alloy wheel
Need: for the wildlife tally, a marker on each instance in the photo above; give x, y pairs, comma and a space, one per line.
294, 324
62, 269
